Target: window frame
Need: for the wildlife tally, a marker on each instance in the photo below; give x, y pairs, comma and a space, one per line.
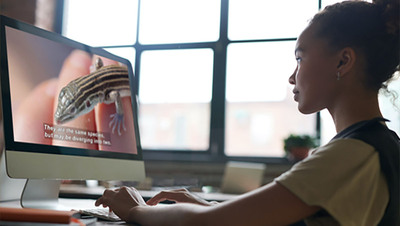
216, 150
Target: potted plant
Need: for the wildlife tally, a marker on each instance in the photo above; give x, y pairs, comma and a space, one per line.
298, 146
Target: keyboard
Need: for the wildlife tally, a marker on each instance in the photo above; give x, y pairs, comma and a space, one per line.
101, 213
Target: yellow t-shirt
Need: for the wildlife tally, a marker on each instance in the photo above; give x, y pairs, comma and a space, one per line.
343, 178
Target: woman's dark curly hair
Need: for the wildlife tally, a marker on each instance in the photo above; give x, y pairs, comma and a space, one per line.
371, 29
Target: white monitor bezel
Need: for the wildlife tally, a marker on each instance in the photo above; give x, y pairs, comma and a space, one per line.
37, 161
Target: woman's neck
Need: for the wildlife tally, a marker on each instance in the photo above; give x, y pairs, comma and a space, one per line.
353, 110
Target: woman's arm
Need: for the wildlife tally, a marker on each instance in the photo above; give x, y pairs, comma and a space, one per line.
272, 204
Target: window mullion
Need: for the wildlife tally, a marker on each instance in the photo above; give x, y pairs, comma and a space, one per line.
217, 133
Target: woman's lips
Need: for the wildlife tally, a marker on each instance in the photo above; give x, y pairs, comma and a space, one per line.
296, 95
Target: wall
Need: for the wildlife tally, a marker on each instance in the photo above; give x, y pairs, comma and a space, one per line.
23, 10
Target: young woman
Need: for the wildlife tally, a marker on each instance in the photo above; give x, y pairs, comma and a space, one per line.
348, 52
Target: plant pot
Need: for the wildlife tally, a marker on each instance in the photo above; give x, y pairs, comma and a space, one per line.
298, 153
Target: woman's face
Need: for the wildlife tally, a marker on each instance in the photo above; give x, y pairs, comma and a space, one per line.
315, 77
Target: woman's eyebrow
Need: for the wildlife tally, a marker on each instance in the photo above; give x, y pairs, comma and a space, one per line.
298, 50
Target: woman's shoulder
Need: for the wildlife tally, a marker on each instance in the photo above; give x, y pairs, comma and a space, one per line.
343, 146
337, 174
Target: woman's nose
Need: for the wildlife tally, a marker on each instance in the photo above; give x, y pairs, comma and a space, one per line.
292, 79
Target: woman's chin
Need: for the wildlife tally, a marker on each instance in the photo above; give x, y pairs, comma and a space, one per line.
306, 110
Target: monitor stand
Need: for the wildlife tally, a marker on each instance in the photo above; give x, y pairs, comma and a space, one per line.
41, 194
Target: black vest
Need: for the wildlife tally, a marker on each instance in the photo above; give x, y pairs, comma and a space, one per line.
387, 144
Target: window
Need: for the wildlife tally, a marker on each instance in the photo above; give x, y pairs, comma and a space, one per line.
101, 22
258, 19
179, 21
175, 96
263, 112
212, 75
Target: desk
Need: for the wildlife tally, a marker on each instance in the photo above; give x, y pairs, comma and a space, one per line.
69, 204
81, 192
80, 197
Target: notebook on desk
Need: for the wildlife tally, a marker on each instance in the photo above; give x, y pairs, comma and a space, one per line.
36, 215
241, 177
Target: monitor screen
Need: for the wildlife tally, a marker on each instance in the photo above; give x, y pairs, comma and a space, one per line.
69, 110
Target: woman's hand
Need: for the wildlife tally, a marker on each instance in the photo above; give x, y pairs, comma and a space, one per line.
121, 201
179, 196
127, 203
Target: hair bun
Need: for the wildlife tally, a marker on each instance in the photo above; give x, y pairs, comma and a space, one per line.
390, 12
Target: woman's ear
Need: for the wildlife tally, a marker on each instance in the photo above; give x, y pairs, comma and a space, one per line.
346, 60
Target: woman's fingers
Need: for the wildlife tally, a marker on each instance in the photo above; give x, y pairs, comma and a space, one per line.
178, 195
106, 198
121, 201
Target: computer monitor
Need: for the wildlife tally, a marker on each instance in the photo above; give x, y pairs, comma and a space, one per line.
85, 128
